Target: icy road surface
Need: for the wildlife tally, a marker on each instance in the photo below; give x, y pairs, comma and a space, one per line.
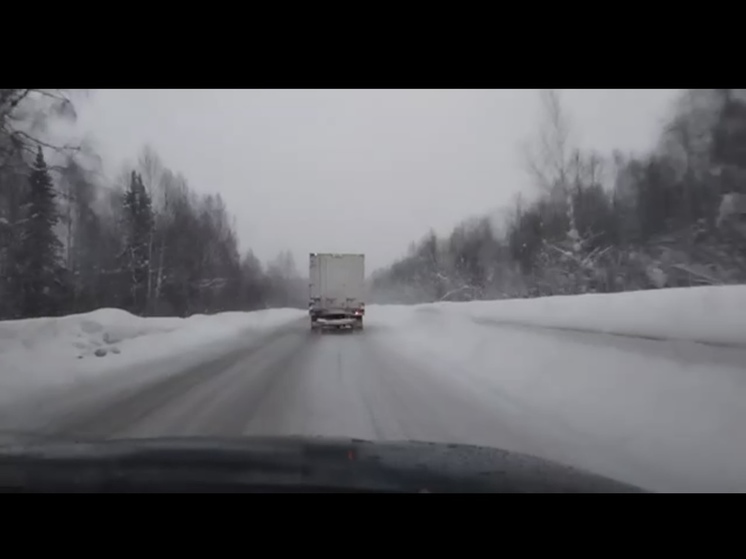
668, 416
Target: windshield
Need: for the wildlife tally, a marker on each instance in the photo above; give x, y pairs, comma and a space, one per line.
557, 273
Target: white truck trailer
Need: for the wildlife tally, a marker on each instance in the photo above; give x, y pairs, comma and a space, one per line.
337, 291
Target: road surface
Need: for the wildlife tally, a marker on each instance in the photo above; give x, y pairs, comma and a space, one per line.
295, 382
290, 382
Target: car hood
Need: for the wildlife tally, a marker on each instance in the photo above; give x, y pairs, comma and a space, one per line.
335, 464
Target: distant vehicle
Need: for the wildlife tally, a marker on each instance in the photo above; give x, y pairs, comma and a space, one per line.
337, 291
282, 465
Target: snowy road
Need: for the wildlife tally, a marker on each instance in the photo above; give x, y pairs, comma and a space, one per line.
292, 382
667, 416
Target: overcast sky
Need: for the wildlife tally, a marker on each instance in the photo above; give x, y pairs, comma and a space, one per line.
354, 170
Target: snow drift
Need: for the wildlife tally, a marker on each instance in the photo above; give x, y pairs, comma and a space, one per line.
712, 314
55, 351
665, 415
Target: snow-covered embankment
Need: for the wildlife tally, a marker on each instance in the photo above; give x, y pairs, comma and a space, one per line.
667, 415
46, 352
715, 315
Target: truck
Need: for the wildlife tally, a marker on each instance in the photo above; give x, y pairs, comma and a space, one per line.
337, 291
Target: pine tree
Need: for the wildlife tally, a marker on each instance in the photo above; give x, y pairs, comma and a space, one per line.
139, 226
40, 272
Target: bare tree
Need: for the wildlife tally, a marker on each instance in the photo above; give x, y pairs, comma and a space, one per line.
25, 115
547, 155
550, 157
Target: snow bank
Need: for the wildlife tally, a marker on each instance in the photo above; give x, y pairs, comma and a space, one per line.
43, 352
666, 415
715, 315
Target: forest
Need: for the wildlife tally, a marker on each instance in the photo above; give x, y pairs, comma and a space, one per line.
72, 241
600, 223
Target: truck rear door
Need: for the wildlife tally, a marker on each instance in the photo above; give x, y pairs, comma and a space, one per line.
339, 279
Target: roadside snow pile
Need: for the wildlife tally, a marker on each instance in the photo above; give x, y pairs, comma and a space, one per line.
78, 335
715, 315
53, 351
668, 416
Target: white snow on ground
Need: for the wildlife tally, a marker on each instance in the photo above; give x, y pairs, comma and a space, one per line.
705, 314
45, 352
667, 415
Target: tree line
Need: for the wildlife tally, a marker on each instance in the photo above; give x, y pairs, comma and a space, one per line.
71, 241
673, 217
